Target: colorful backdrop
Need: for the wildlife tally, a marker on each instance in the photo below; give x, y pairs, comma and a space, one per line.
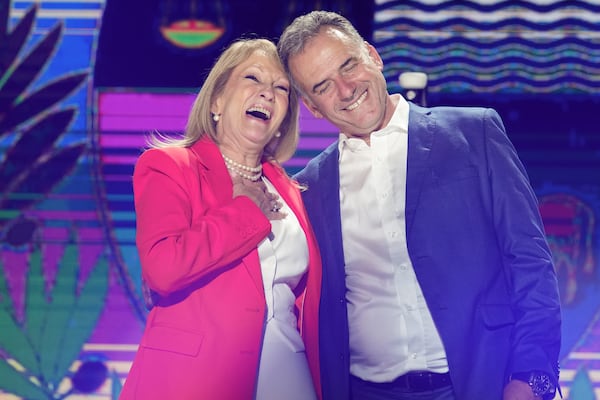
83, 82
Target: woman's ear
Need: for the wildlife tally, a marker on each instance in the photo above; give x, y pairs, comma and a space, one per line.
216, 106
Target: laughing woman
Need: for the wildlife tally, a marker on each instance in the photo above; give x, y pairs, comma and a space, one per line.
226, 247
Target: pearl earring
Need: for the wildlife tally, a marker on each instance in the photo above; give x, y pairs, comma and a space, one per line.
216, 117
277, 134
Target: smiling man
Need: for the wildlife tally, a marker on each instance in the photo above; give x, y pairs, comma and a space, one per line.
438, 283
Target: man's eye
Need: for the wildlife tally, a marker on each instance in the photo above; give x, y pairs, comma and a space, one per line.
323, 89
350, 67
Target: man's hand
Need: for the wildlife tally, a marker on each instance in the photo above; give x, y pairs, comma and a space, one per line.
518, 390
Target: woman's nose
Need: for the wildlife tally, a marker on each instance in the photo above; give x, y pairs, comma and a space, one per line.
267, 93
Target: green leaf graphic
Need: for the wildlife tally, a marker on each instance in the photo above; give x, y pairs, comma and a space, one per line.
59, 312
13, 381
86, 311
35, 304
12, 340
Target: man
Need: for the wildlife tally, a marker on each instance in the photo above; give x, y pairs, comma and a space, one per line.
437, 279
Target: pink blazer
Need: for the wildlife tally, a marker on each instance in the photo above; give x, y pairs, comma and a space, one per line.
198, 250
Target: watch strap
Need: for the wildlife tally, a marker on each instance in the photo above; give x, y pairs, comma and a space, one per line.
541, 383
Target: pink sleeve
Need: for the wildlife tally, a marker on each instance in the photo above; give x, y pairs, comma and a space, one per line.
183, 235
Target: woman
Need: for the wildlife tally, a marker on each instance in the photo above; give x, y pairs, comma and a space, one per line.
226, 247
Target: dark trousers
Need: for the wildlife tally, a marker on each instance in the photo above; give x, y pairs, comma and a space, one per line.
363, 390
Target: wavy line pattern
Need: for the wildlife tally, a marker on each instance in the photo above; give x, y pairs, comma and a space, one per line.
490, 6
506, 46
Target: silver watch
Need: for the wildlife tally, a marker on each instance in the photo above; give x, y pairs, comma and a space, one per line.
540, 383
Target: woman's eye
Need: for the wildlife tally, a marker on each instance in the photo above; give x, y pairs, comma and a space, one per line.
283, 88
252, 77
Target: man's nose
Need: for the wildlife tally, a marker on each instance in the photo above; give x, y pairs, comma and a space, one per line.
346, 89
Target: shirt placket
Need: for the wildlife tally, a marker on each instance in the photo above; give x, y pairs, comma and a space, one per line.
268, 265
391, 202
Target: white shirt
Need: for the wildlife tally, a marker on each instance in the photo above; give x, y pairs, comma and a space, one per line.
283, 261
391, 328
283, 371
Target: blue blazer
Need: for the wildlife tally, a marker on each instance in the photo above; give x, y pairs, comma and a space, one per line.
477, 244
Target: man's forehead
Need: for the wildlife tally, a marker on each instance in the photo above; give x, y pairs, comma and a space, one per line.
303, 65
309, 74
322, 48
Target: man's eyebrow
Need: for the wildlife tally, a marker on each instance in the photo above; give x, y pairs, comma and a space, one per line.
348, 61
344, 65
315, 87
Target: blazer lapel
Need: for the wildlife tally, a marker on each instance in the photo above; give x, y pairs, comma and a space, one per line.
291, 195
329, 169
286, 190
420, 141
329, 223
209, 158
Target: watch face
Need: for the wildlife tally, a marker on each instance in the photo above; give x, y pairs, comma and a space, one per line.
541, 384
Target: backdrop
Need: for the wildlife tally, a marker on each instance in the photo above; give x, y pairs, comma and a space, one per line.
83, 82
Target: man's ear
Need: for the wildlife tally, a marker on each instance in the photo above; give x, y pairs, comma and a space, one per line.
311, 107
374, 55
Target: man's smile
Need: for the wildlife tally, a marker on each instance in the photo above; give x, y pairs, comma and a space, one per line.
357, 102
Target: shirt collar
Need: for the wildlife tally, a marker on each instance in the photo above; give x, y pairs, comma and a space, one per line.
398, 123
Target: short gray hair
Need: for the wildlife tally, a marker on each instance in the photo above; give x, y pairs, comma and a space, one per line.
305, 27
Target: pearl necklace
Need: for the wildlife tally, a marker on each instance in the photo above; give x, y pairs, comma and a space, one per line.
242, 170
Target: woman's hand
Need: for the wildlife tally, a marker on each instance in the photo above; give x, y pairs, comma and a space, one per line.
257, 192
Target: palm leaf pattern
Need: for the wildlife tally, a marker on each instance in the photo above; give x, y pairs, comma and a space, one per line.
33, 164
39, 345
30, 147
39, 350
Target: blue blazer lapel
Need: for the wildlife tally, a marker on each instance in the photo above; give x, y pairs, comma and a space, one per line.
331, 194
330, 200
421, 127
322, 200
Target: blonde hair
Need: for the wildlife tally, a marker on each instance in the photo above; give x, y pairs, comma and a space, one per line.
200, 121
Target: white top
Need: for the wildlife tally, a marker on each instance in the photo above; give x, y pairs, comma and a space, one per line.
391, 328
283, 371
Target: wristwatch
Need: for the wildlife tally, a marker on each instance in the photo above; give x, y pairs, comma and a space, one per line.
540, 383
